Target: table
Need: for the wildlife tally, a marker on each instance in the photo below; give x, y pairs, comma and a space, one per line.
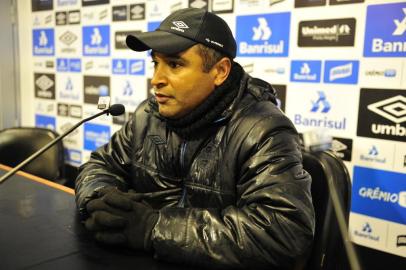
40, 229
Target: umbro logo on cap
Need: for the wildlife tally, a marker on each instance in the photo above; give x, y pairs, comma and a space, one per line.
180, 25
183, 29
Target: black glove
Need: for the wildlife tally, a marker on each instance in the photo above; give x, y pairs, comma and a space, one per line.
117, 218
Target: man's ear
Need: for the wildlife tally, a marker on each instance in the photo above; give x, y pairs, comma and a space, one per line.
221, 70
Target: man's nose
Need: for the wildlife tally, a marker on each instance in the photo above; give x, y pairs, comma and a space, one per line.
158, 79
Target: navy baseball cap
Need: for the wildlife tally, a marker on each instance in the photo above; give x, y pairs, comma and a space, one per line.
183, 29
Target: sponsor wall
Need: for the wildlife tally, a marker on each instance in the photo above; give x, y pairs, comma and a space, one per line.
336, 64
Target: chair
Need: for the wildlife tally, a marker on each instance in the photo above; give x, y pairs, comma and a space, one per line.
328, 249
18, 143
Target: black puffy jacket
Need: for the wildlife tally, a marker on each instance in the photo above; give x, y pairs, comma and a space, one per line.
237, 196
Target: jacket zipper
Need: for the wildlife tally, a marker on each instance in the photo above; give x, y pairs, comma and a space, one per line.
182, 168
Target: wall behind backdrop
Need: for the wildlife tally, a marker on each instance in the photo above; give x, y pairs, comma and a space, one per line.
336, 64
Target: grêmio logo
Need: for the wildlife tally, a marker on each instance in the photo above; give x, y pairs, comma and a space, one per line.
382, 114
385, 33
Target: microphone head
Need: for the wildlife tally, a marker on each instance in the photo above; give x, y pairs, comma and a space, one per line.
116, 109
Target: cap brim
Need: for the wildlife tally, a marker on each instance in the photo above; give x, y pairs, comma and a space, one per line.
159, 41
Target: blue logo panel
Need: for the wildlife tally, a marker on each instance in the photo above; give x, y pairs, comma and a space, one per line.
263, 35
95, 135
62, 64
75, 65
43, 42
342, 72
305, 71
66, 65
136, 67
380, 194
119, 66
44, 121
152, 26
385, 33
96, 40
73, 156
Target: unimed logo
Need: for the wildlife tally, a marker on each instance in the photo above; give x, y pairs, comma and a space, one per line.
385, 33
327, 33
261, 35
382, 114
41, 5
309, 3
94, 87
94, 2
120, 37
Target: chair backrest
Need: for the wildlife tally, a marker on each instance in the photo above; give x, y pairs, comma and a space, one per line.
16, 144
328, 249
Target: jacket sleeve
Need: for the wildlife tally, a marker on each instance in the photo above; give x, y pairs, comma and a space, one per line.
272, 223
106, 167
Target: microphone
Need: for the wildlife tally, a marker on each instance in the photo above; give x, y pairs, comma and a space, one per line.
114, 110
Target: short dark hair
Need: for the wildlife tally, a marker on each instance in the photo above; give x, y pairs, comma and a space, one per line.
209, 56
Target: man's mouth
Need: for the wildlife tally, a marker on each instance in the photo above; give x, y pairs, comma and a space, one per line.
161, 98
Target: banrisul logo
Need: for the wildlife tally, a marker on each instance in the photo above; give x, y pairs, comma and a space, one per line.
344, 72
373, 155
382, 114
126, 95
366, 231
319, 115
385, 33
119, 66
305, 71
96, 40
262, 35
43, 42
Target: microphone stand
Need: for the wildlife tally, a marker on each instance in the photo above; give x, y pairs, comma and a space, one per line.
342, 224
47, 146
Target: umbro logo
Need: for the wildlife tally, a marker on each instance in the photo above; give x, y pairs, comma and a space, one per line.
44, 82
156, 139
68, 38
179, 26
393, 109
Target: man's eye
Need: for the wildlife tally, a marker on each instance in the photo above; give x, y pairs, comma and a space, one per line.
155, 63
173, 64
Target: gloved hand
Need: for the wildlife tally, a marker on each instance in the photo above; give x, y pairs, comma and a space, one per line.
117, 218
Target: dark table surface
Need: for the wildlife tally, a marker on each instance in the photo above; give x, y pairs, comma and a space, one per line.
40, 229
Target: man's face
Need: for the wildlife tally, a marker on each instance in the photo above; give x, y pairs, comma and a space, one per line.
179, 82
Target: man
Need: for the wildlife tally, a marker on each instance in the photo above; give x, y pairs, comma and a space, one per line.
208, 171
